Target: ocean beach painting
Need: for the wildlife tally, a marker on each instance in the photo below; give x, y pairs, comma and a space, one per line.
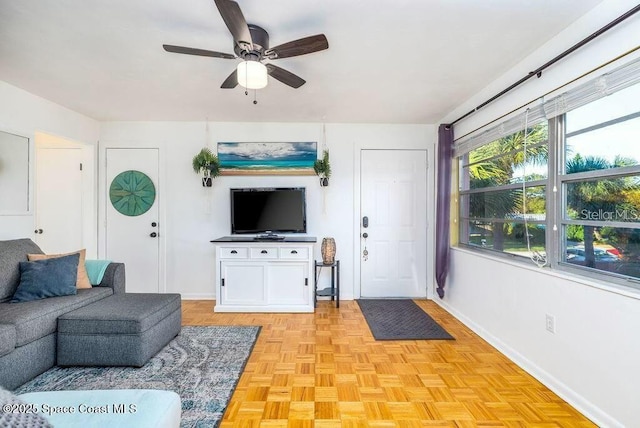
295, 158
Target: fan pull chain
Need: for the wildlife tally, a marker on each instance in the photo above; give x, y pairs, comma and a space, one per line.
255, 97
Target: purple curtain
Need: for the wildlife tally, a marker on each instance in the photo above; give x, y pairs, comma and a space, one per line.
443, 200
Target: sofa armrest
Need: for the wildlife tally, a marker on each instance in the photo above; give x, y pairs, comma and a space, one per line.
7, 338
114, 278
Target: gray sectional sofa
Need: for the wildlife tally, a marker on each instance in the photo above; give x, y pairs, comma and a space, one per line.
28, 330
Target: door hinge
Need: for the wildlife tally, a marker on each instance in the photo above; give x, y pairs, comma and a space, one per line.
222, 284
80, 166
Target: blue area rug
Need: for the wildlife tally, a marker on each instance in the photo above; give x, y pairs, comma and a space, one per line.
202, 364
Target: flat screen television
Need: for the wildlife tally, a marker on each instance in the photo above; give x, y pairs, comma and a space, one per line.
268, 210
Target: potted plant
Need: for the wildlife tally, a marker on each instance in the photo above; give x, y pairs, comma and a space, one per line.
322, 167
207, 164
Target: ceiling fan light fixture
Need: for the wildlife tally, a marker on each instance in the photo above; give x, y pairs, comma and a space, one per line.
252, 74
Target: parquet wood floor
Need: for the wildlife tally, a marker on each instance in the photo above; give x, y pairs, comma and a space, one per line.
326, 370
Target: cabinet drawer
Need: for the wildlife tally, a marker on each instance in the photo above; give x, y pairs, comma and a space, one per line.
297, 253
234, 253
264, 253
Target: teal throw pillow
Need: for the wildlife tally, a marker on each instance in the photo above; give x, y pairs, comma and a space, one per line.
47, 278
15, 412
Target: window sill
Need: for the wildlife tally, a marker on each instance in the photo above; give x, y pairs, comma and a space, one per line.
622, 290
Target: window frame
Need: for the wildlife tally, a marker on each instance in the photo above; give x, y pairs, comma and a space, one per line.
464, 222
562, 179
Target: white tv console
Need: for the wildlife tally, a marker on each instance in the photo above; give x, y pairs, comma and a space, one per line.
264, 275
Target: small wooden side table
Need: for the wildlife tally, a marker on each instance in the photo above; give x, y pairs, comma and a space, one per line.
334, 290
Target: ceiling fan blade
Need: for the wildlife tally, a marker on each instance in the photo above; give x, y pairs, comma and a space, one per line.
231, 81
237, 25
302, 46
193, 51
286, 77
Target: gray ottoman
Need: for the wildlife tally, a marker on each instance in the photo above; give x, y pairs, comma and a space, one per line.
120, 330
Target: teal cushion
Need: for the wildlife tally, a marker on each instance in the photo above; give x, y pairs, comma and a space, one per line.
96, 269
15, 412
47, 278
121, 408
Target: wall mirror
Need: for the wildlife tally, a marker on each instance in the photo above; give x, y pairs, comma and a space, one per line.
14, 173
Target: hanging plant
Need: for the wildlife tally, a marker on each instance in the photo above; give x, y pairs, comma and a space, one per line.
322, 167
207, 164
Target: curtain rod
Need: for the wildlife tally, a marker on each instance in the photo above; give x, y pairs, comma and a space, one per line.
551, 91
539, 70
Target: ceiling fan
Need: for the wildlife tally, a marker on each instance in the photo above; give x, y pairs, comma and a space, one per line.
251, 44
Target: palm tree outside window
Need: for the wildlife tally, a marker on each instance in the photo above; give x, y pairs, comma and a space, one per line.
572, 195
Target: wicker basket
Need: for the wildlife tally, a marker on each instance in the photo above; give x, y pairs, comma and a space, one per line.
328, 251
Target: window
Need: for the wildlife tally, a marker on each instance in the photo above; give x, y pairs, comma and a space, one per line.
494, 214
600, 224
567, 195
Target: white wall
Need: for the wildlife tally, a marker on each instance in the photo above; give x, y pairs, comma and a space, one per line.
14, 173
26, 114
592, 359
194, 215
615, 42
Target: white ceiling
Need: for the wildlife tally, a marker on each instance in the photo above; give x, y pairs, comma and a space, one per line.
400, 61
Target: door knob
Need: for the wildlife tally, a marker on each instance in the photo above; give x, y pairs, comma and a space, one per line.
153, 234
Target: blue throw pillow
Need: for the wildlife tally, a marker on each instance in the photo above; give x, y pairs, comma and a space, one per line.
47, 278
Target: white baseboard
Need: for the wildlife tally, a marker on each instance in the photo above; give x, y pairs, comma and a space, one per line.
198, 296
591, 411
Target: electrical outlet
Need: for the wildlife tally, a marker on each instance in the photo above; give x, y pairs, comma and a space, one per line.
551, 323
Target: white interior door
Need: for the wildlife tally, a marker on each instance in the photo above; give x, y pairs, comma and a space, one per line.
393, 192
132, 237
59, 215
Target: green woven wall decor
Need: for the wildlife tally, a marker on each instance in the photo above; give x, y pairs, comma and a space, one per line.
132, 193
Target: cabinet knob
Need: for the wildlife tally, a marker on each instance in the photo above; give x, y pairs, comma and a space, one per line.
263, 252
234, 252
294, 252
153, 234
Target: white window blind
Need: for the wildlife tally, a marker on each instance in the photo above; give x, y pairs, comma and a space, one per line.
531, 116
594, 89
606, 84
